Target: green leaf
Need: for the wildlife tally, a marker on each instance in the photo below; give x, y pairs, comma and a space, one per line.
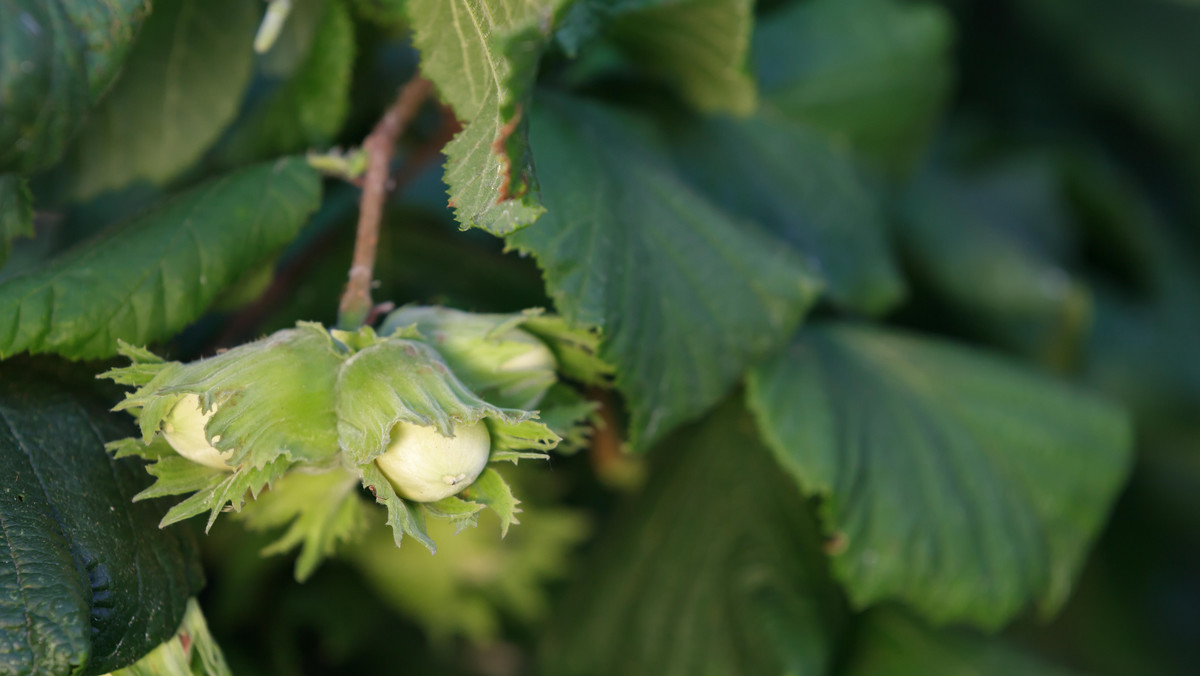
388, 14
805, 189
1134, 56
997, 247
483, 57
700, 46
182, 86
321, 511
16, 212
490, 489
716, 568
875, 72
191, 652
308, 110
963, 485
89, 584
685, 297
56, 60
890, 643
399, 380
147, 279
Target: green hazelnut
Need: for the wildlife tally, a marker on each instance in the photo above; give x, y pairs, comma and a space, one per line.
425, 466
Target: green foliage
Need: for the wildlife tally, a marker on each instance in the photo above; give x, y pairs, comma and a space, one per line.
191, 652
482, 56
16, 213
146, 279
685, 305
309, 108
57, 60
803, 188
700, 46
997, 248
93, 584
716, 569
475, 581
874, 72
958, 483
680, 184
186, 75
890, 643
321, 512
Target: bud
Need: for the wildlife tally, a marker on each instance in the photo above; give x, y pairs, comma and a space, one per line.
490, 353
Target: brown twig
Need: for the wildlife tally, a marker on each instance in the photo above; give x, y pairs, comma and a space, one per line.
380, 143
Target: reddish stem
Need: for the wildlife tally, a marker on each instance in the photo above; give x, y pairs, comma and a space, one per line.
356, 302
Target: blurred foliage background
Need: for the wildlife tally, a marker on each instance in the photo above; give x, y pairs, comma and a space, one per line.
1037, 166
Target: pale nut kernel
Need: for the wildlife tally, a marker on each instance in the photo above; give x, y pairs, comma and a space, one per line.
184, 430
425, 466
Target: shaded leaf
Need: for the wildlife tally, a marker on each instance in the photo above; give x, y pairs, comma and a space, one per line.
182, 86
701, 46
147, 279
803, 188
307, 110
890, 643
963, 485
477, 584
875, 72
716, 568
998, 247
483, 57
191, 652
56, 60
685, 297
89, 582
16, 212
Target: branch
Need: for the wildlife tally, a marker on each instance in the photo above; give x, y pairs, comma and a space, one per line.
380, 143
